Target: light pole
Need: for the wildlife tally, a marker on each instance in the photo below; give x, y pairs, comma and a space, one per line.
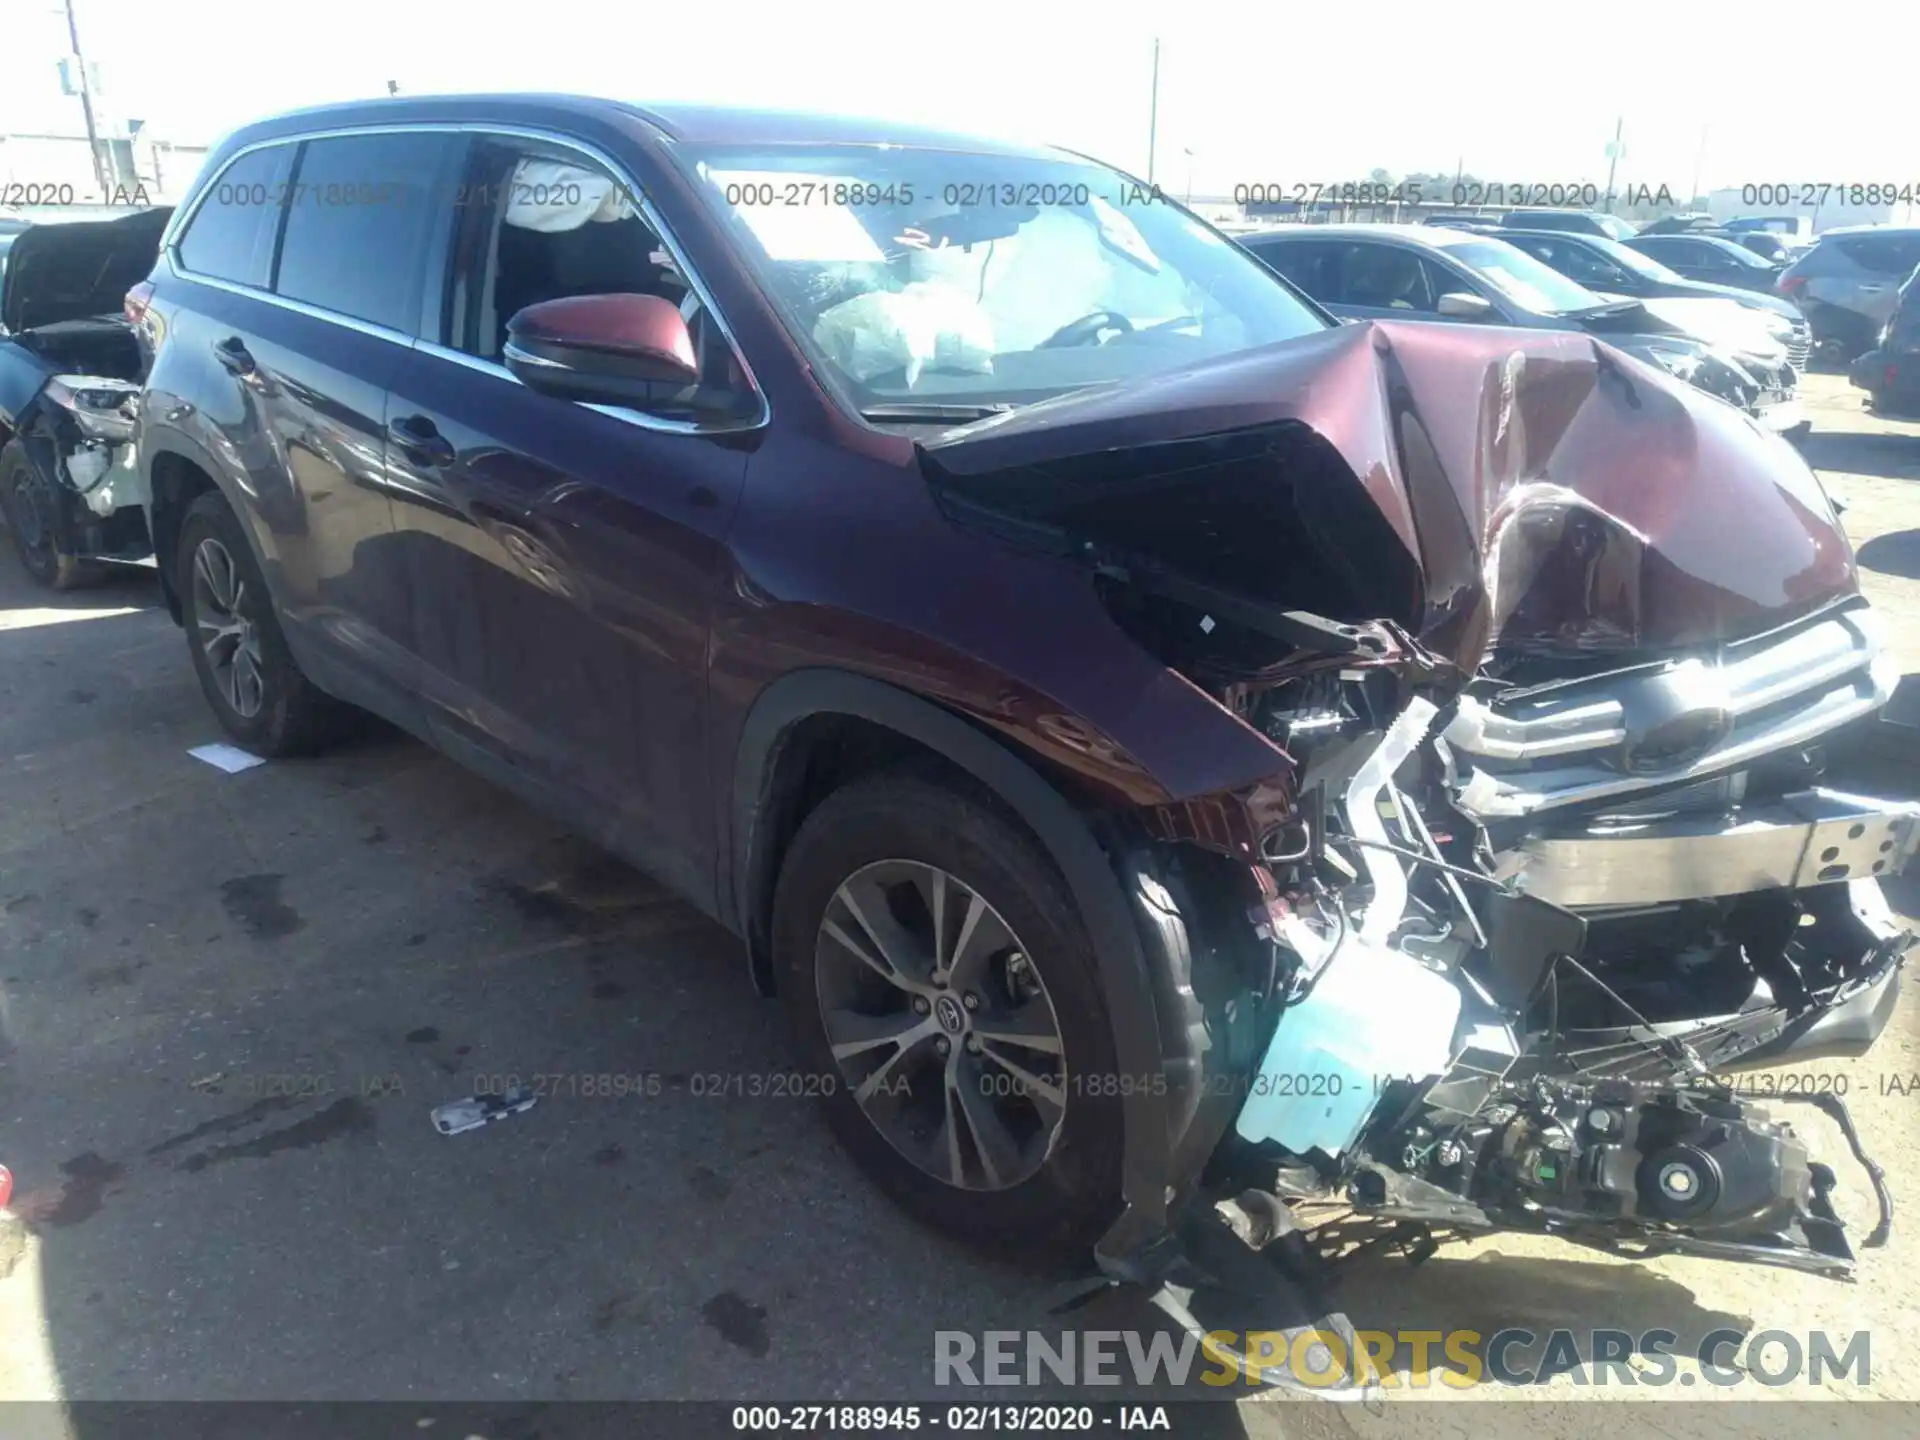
1153, 111
86, 100
1614, 152
1188, 152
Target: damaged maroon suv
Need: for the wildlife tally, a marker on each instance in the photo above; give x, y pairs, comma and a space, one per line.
1174, 756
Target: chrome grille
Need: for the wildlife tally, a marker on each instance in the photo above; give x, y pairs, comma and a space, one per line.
1800, 346
1657, 726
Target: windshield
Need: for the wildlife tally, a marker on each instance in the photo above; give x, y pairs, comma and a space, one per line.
1739, 252
1616, 227
1523, 279
1629, 259
922, 278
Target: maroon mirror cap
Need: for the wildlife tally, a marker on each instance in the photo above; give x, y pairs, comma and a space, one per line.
636, 327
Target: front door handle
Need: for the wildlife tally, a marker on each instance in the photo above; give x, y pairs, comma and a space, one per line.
234, 357
420, 440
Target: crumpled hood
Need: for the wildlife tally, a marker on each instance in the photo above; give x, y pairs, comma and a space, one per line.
1554, 495
70, 270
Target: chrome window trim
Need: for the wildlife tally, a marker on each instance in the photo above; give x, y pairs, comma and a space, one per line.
287, 302
182, 218
514, 352
637, 418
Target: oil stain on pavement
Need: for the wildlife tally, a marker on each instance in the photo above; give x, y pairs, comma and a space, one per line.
740, 1322
87, 1179
345, 1116
254, 901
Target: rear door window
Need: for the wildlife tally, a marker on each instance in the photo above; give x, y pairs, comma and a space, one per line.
1313, 265
1883, 254
231, 233
361, 210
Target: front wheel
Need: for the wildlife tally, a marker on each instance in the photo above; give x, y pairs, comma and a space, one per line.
945, 1002
30, 505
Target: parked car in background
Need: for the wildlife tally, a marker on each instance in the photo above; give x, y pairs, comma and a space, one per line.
1713, 259
1890, 372
1848, 283
70, 492
1617, 268
1414, 272
1768, 246
1691, 223
1581, 222
1795, 230
1032, 629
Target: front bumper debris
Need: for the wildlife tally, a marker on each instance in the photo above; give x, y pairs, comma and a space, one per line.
1811, 837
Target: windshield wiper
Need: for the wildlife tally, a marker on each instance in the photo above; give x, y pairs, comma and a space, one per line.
918, 410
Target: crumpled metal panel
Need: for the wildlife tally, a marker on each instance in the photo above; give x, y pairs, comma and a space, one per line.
1558, 496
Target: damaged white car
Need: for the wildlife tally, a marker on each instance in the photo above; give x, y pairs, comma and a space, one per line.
70, 491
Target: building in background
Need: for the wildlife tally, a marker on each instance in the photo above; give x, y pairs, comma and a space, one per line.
1826, 206
38, 171
49, 98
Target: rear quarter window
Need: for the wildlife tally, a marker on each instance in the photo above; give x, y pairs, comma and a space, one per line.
1882, 254
230, 234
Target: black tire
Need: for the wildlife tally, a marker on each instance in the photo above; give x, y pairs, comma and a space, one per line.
1064, 1205
294, 716
36, 536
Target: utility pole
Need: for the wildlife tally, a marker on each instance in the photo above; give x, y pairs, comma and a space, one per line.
86, 102
1153, 112
1613, 158
1698, 160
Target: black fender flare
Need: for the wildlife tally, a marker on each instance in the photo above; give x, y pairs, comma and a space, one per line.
1089, 873
152, 445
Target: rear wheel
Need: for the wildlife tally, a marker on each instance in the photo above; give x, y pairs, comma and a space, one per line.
240, 653
33, 517
944, 1000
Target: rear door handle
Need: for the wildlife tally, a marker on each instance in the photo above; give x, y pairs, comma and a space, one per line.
234, 357
420, 440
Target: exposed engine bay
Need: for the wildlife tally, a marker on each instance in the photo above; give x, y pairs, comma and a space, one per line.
1530, 1025
70, 369
1559, 658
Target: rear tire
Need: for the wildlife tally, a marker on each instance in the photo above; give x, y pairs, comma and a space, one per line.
240, 653
24, 500
966, 1137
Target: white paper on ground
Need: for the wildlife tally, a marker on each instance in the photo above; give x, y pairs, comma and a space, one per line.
230, 758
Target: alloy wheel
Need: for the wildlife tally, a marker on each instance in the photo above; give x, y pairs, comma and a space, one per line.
229, 638
941, 1025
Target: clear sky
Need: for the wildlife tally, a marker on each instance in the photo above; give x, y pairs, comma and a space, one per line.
1285, 92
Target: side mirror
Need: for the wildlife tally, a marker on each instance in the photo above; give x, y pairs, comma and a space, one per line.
613, 349
1460, 305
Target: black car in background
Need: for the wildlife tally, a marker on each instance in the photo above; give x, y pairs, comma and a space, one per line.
1614, 268
1714, 259
1426, 272
1890, 372
1693, 222
1580, 222
1768, 246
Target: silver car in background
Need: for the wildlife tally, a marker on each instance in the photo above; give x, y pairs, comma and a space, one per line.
1847, 284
